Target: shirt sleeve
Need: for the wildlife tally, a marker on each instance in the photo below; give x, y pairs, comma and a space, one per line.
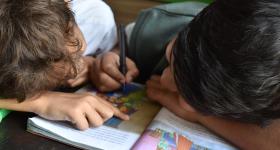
96, 21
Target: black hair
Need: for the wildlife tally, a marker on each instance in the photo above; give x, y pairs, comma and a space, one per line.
227, 60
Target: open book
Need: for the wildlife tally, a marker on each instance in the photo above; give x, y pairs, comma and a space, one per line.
150, 127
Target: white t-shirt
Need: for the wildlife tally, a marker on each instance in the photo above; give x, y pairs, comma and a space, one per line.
96, 21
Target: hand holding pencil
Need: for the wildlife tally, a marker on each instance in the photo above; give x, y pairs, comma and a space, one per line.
113, 69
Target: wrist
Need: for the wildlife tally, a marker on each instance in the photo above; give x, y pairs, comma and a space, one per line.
36, 103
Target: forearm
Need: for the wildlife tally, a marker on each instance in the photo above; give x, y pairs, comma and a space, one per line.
28, 105
245, 136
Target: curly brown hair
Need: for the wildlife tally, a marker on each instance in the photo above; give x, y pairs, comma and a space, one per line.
34, 35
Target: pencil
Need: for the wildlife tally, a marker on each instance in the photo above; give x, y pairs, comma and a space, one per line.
122, 43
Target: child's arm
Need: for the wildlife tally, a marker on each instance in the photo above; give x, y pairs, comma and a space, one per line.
83, 110
245, 136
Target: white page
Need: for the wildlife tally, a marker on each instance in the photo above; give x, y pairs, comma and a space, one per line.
102, 137
194, 132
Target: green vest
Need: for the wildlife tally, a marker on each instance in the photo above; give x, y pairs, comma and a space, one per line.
154, 28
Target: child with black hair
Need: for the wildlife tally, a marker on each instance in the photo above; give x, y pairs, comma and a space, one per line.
224, 72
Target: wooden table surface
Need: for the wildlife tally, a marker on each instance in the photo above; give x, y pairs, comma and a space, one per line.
126, 11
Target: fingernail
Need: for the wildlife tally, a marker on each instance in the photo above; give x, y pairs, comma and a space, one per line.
127, 117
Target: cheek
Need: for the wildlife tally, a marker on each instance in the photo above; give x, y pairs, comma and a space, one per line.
84, 45
79, 35
167, 80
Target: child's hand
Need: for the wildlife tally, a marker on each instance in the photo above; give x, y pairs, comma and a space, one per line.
84, 110
171, 100
82, 76
105, 74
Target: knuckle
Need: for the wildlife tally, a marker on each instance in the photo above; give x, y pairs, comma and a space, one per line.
109, 115
79, 106
76, 110
87, 99
108, 66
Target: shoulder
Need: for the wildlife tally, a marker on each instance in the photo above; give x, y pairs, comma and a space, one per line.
95, 11
96, 21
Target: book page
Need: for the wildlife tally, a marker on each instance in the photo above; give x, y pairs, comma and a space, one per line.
102, 138
115, 132
168, 131
133, 102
